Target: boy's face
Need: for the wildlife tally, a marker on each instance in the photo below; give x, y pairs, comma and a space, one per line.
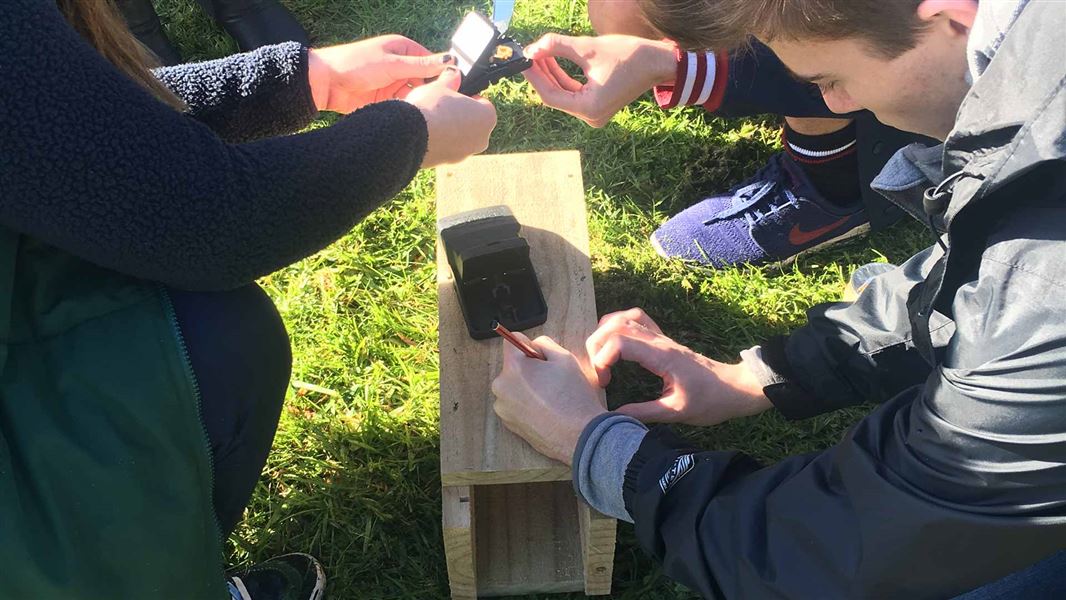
919, 91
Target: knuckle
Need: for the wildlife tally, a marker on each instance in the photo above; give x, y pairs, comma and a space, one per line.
636, 314
613, 321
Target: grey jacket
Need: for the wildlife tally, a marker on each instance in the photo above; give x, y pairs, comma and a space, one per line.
959, 477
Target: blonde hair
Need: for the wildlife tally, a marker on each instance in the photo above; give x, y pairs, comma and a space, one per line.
100, 23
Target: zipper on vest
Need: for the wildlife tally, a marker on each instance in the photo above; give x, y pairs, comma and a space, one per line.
190, 377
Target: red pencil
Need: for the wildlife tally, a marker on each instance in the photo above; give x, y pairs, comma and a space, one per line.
526, 349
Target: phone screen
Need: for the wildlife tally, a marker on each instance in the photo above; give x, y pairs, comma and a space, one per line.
474, 35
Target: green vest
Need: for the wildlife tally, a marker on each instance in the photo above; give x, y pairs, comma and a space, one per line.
105, 472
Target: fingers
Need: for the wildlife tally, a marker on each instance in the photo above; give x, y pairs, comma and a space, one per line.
629, 322
549, 347
424, 67
565, 81
553, 44
551, 92
450, 78
559, 91
631, 346
398, 44
635, 315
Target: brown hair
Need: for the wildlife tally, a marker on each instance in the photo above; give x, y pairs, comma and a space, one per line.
100, 23
891, 27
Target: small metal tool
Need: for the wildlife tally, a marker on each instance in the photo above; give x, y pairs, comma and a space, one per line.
502, 11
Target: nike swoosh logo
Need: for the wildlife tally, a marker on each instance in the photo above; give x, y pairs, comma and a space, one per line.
799, 237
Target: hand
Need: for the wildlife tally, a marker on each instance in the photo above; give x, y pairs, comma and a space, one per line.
619, 68
696, 389
350, 76
547, 403
458, 126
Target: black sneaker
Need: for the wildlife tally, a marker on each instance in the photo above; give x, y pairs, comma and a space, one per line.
288, 577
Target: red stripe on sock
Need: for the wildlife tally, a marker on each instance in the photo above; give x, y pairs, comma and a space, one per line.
701, 78
721, 79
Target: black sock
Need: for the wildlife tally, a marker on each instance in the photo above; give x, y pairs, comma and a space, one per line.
830, 160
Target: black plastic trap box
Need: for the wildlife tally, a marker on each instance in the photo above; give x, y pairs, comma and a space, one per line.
494, 277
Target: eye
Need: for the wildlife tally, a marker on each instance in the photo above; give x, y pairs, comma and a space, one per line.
827, 86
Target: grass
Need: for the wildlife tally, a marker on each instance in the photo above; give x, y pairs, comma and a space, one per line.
354, 475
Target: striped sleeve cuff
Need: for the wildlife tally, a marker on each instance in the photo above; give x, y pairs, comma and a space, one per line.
700, 81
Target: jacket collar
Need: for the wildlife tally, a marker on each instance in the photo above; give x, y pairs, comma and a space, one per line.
1012, 120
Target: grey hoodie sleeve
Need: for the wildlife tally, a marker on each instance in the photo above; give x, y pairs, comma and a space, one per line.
600, 461
247, 96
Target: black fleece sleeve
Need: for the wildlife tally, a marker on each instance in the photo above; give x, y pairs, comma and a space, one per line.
247, 96
91, 163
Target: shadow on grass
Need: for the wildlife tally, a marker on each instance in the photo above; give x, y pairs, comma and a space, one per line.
360, 490
658, 163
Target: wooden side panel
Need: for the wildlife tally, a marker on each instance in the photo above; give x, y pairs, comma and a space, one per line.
459, 531
545, 192
527, 539
598, 534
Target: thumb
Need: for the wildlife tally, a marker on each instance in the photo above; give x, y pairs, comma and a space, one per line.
419, 67
451, 78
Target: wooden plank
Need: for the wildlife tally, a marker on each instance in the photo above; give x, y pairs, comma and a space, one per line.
598, 535
526, 539
529, 534
459, 530
545, 192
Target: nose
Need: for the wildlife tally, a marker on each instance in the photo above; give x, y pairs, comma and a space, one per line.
840, 102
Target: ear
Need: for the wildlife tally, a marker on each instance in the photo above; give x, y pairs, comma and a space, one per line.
958, 12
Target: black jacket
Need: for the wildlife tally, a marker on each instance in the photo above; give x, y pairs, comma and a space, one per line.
959, 477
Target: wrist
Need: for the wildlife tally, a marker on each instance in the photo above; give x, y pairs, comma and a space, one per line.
573, 430
319, 75
748, 385
660, 62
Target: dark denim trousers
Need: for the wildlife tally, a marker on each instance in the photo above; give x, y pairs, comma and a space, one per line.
1046, 580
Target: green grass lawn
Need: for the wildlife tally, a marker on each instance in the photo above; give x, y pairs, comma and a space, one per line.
354, 474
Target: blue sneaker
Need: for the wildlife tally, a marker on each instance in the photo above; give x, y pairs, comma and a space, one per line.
771, 218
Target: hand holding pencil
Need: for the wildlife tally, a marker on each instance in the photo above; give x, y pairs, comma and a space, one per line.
548, 401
